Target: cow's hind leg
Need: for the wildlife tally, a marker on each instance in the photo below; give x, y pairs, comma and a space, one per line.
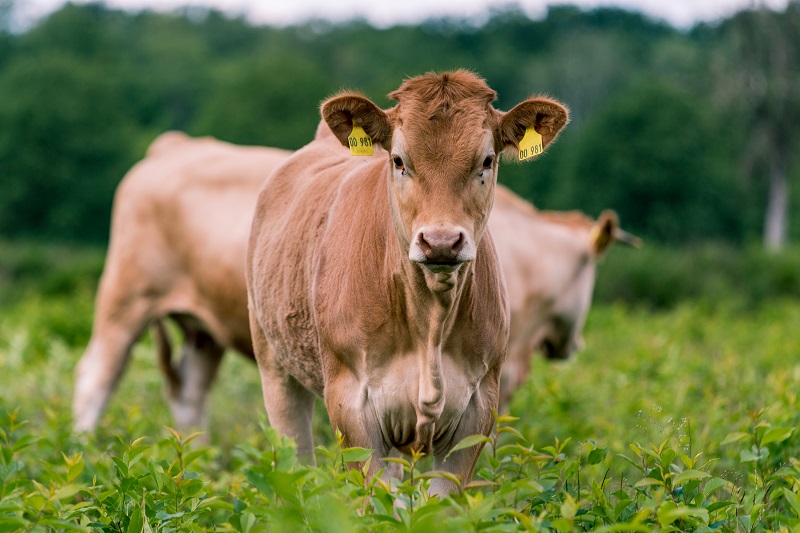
188, 385
99, 369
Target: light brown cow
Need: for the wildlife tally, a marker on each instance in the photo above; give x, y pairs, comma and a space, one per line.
549, 261
535, 248
373, 283
179, 231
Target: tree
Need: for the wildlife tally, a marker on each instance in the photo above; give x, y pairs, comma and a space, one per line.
64, 145
766, 91
655, 154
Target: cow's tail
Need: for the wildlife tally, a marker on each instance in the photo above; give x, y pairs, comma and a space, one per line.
164, 349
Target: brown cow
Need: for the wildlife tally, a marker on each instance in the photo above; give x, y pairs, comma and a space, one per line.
178, 241
547, 312
373, 283
549, 261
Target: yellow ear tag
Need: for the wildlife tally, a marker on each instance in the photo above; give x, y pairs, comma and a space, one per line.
530, 145
360, 142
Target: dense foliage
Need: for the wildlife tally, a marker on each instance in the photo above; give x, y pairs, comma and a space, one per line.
663, 125
680, 415
671, 420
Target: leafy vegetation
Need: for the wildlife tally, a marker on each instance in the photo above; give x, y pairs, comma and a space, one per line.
682, 413
675, 420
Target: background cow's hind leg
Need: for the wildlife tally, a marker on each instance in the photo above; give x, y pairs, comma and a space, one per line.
99, 369
188, 385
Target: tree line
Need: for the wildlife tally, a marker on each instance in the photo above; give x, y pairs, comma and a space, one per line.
689, 134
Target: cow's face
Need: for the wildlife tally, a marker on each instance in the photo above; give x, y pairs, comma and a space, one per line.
442, 143
561, 332
567, 276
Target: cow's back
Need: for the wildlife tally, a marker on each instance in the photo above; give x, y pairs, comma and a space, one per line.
179, 232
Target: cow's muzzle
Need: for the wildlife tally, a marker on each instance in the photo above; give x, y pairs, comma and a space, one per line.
440, 249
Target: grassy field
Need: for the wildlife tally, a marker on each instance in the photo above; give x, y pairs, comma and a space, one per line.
683, 419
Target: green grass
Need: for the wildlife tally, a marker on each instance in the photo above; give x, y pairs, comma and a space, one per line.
676, 420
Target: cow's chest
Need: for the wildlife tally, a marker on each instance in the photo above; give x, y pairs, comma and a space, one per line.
394, 395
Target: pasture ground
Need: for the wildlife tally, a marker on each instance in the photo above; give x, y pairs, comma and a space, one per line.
683, 419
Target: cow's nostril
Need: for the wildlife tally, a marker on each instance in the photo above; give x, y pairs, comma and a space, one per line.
459, 244
426, 247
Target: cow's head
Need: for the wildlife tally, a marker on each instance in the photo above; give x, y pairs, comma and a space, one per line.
442, 142
567, 276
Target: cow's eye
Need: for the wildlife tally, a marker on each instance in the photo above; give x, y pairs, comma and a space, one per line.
487, 163
399, 165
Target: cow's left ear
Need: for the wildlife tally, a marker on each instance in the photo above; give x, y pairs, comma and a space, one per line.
602, 233
546, 116
606, 231
348, 109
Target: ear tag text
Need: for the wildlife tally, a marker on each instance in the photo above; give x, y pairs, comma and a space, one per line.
360, 142
530, 145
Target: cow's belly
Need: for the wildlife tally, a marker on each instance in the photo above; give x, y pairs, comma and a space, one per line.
393, 399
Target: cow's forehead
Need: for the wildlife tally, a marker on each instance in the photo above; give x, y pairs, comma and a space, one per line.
440, 92
451, 102
458, 141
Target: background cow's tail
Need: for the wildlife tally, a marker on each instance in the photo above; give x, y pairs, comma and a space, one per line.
164, 349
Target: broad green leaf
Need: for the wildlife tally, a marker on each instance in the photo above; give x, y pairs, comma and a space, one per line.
753, 454
688, 475
623, 528
668, 513
716, 506
647, 482
136, 523
479, 483
597, 456
25, 442
191, 457
794, 500
468, 442
714, 484
776, 435
247, 521
735, 437
509, 429
442, 474
355, 455
67, 491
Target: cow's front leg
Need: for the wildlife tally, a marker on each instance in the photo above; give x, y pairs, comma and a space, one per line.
477, 419
290, 406
349, 412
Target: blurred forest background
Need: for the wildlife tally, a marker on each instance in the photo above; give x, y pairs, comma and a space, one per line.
690, 135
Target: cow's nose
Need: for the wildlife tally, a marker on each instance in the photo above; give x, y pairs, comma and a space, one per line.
441, 245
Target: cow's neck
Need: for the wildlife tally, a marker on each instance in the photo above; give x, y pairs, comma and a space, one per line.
431, 305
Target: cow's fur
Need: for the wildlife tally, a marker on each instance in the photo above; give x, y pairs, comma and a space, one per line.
549, 260
179, 231
374, 284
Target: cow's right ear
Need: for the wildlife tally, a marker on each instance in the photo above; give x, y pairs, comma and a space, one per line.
346, 110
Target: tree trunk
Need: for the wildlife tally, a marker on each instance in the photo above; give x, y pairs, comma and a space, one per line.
776, 220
